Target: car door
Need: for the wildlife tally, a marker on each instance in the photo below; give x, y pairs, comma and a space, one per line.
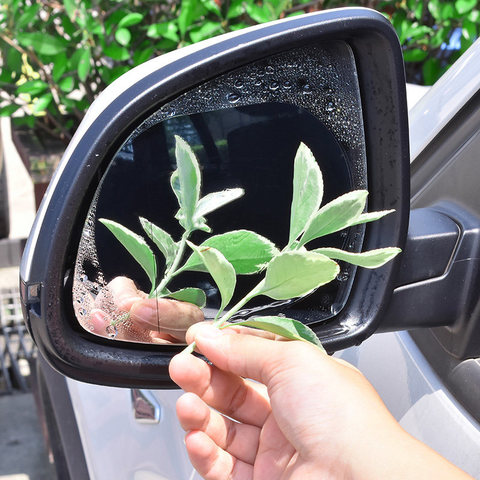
429, 378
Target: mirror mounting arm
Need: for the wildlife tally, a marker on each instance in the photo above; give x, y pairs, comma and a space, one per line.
439, 278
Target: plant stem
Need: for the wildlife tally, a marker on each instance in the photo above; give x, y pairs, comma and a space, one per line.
170, 273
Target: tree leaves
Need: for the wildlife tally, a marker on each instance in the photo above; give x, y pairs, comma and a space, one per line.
307, 191
213, 201
136, 247
221, 271
186, 182
190, 295
162, 240
42, 43
247, 251
293, 274
336, 215
371, 259
285, 327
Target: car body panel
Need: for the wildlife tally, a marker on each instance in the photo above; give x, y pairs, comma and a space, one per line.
444, 100
417, 398
118, 446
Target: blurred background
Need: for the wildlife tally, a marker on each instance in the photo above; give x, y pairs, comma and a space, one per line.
56, 56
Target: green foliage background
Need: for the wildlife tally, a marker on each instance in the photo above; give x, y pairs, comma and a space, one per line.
57, 55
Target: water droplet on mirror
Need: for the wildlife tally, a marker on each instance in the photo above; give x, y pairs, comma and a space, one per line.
83, 278
270, 70
343, 276
82, 312
233, 97
330, 107
112, 331
273, 86
287, 84
238, 83
307, 89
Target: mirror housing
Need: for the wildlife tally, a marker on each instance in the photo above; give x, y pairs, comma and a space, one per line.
50, 254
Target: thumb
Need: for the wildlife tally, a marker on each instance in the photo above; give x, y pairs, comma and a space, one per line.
251, 356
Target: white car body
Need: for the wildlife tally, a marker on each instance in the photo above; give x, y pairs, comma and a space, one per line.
118, 446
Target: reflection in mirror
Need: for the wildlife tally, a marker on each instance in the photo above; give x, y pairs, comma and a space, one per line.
245, 129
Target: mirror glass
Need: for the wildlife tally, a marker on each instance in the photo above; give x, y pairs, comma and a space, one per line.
244, 128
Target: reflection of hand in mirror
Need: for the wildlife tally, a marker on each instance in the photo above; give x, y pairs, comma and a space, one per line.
155, 320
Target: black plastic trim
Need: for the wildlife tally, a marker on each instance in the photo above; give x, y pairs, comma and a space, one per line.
51, 248
439, 274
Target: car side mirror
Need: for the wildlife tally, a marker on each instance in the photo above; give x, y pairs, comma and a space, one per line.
244, 101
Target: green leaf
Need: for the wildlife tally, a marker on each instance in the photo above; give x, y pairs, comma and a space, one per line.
66, 84
118, 72
247, 251
130, 19
370, 259
141, 56
33, 87
28, 16
186, 182
42, 103
415, 55
214, 201
70, 8
42, 43
336, 215
190, 10
260, 14
123, 36
307, 191
8, 110
469, 30
293, 274
14, 60
285, 327
136, 247
464, 6
431, 70
83, 66
190, 295
370, 217
60, 63
116, 52
212, 6
221, 271
166, 30
162, 240
236, 9
206, 30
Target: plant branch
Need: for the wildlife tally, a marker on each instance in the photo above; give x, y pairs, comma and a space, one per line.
170, 273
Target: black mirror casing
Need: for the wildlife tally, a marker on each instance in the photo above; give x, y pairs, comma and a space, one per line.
49, 259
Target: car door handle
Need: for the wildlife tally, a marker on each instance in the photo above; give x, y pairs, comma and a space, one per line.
146, 408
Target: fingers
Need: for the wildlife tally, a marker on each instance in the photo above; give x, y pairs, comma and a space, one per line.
226, 392
250, 356
213, 463
240, 440
165, 315
146, 319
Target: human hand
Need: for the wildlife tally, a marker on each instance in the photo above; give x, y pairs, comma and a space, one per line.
311, 416
155, 320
